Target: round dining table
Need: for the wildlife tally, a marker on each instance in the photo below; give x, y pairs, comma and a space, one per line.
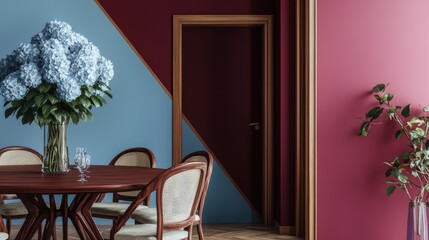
31, 185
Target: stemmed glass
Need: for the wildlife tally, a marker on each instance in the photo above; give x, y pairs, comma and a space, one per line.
80, 153
83, 165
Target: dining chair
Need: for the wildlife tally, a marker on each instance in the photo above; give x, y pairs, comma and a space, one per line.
148, 215
16, 155
178, 193
4, 236
138, 157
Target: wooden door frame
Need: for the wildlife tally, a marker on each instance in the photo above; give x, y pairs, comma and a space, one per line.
264, 21
305, 110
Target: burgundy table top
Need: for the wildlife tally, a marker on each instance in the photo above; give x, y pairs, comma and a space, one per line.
29, 179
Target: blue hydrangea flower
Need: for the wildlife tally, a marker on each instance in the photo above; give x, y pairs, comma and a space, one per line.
58, 30
8, 65
55, 63
68, 90
105, 70
84, 68
27, 53
56, 55
75, 44
30, 76
12, 89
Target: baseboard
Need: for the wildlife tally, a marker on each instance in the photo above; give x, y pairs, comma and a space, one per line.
284, 230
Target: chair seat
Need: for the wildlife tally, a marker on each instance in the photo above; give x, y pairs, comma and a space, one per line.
10, 196
3, 236
144, 232
111, 209
13, 209
16, 209
148, 215
128, 194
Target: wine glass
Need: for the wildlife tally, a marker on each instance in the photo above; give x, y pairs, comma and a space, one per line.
80, 152
83, 166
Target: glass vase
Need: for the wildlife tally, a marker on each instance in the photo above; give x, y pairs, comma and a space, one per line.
55, 157
417, 228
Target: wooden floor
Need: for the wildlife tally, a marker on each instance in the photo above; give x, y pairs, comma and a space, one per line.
211, 232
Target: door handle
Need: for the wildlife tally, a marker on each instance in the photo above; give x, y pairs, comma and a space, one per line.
255, 125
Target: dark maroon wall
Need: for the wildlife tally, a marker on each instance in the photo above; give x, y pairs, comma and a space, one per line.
285, 99
148, 26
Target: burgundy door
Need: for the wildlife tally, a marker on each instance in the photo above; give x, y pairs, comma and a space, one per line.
222, 98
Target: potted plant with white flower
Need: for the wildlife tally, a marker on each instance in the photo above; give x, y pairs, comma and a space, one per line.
55, 79
410, 170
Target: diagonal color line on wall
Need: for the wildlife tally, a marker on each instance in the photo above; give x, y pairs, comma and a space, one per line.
184, 117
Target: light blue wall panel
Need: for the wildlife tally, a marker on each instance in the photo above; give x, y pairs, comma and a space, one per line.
138, 115
223, 203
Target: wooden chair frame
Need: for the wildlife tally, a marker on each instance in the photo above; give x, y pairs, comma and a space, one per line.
157, 185
209, 159
3, 197
117, 196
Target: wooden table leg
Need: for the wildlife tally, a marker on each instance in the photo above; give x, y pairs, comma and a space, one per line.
64, 212
80, 213
37, 211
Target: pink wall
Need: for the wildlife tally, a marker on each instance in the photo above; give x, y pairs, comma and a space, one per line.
361, 43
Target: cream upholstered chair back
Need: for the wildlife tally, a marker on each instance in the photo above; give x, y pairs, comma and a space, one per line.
139, 157
204, 157
18, 155
179, 194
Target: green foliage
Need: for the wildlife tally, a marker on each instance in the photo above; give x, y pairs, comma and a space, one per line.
410, 170
41, 105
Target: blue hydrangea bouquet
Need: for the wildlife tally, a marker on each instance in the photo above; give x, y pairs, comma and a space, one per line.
56, 78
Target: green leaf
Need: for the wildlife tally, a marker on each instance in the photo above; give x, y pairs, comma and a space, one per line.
390, 190
388, 172
108, 94
398, 133
414, 173
74, 117
387, 97
406, 111
27, 118
420, 132
52, 99
9, 112
44, 87
403, 178
101, 99
375, 113
425, 108
379, 99
396, 163
40, 100
427, 187
95, 101
89, 116
395, 173
364, 129
380, 87
85, 102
